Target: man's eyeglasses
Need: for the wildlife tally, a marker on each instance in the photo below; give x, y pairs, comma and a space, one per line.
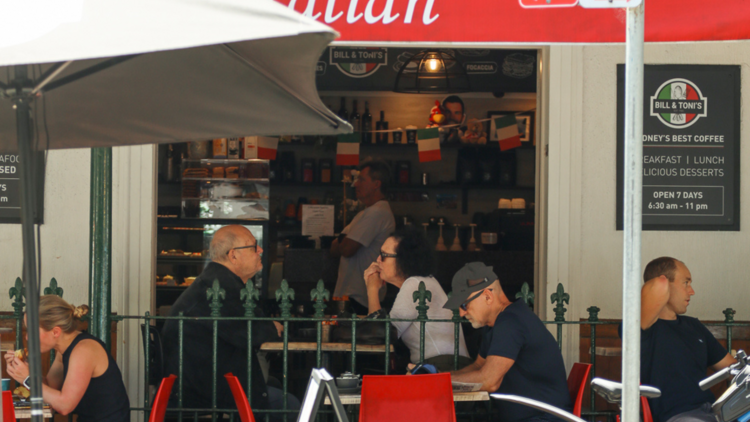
255, 248
463, 305
384, 255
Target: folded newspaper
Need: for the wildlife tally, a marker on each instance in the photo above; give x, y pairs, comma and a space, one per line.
465, 387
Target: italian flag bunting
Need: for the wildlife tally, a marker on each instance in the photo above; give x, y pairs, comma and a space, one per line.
428, 143
347, 149
267, 147
506, 128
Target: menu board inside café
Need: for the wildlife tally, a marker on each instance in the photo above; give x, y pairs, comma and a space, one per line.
691, 142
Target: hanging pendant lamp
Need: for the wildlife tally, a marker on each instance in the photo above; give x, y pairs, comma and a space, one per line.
432, 72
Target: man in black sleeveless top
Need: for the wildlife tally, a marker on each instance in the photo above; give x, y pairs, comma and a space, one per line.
676, 350
235, 258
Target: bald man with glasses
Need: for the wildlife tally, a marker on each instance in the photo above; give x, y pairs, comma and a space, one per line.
235, 258
518, 354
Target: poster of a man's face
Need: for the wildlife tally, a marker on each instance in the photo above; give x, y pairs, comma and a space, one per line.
453, 107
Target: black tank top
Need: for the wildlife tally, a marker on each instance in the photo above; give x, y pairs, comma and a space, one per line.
105, 399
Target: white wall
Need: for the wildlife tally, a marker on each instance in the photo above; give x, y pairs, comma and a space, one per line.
64, 234
65, 243
585, 250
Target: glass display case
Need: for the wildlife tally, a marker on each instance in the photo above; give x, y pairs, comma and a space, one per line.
225, 189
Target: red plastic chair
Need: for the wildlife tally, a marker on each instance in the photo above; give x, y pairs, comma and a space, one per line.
577, 378
159, 408
9, 411
646, 410
246, 413
407, 398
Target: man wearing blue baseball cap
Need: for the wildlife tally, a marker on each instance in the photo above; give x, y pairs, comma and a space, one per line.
518, 354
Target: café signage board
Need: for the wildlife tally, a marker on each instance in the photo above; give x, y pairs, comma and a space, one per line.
10, 189
691, 147
609, 4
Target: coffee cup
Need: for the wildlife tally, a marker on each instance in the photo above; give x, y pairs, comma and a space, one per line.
6, 384
411, 134
397, 136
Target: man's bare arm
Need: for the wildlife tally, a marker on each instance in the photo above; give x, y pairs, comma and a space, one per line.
490, 375
726, 361
654, 297
474, 366
345, 247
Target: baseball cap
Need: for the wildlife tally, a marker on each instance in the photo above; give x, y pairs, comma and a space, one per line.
472, 277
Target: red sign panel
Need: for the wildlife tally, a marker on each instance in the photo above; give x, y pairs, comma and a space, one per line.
505, 21
531, 4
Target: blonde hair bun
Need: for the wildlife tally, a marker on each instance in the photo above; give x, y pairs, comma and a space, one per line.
80, 311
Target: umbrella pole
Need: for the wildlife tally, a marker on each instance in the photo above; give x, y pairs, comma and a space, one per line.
631, 297
21, 103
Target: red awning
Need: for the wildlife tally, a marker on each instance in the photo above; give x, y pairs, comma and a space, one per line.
505, 21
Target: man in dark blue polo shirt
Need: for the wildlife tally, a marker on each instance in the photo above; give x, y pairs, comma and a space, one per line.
518, 354
676, 350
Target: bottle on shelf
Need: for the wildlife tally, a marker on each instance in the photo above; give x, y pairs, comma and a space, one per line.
440, 246
343, 113
354, 118
367, 125
381, 137
233, 148
456, 246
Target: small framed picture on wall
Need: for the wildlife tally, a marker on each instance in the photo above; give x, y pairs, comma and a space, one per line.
525, 121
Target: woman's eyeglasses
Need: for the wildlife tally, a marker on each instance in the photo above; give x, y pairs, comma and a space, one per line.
255, 248
384, 255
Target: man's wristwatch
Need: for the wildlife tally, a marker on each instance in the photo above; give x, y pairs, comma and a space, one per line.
26, 382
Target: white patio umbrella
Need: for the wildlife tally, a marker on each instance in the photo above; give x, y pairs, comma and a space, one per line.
125, 72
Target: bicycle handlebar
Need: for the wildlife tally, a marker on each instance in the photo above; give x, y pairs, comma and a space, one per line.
728, 372
716, 378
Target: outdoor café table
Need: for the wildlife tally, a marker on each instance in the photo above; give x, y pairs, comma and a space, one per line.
457, 396
25, 413
295, 346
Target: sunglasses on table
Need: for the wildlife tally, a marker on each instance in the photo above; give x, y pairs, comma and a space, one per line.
255, 248
384, 255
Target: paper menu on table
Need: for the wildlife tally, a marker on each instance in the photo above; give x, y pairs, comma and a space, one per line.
317, 220
465, 387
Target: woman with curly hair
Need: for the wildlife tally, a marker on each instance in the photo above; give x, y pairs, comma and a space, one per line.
405, 260
84, 379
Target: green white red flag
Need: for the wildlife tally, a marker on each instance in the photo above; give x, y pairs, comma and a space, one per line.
428, 144
347, 149
506, 128
262, 147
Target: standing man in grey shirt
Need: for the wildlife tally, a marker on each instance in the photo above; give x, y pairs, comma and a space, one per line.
360, 241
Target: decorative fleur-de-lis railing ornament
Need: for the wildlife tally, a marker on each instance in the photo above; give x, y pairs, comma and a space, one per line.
319, 294
560, 298
285, 295
526, 294
215, 294
729, 314
593, 313
18, 293
422, 295
53, 289
249, 294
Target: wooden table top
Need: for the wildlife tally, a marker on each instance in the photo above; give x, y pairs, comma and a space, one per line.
25, 413
457, 396
312, 346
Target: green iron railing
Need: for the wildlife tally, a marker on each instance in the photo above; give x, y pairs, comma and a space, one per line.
250, 296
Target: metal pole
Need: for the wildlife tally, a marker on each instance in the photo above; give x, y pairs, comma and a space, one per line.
631, 284
28, 188
100, 246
